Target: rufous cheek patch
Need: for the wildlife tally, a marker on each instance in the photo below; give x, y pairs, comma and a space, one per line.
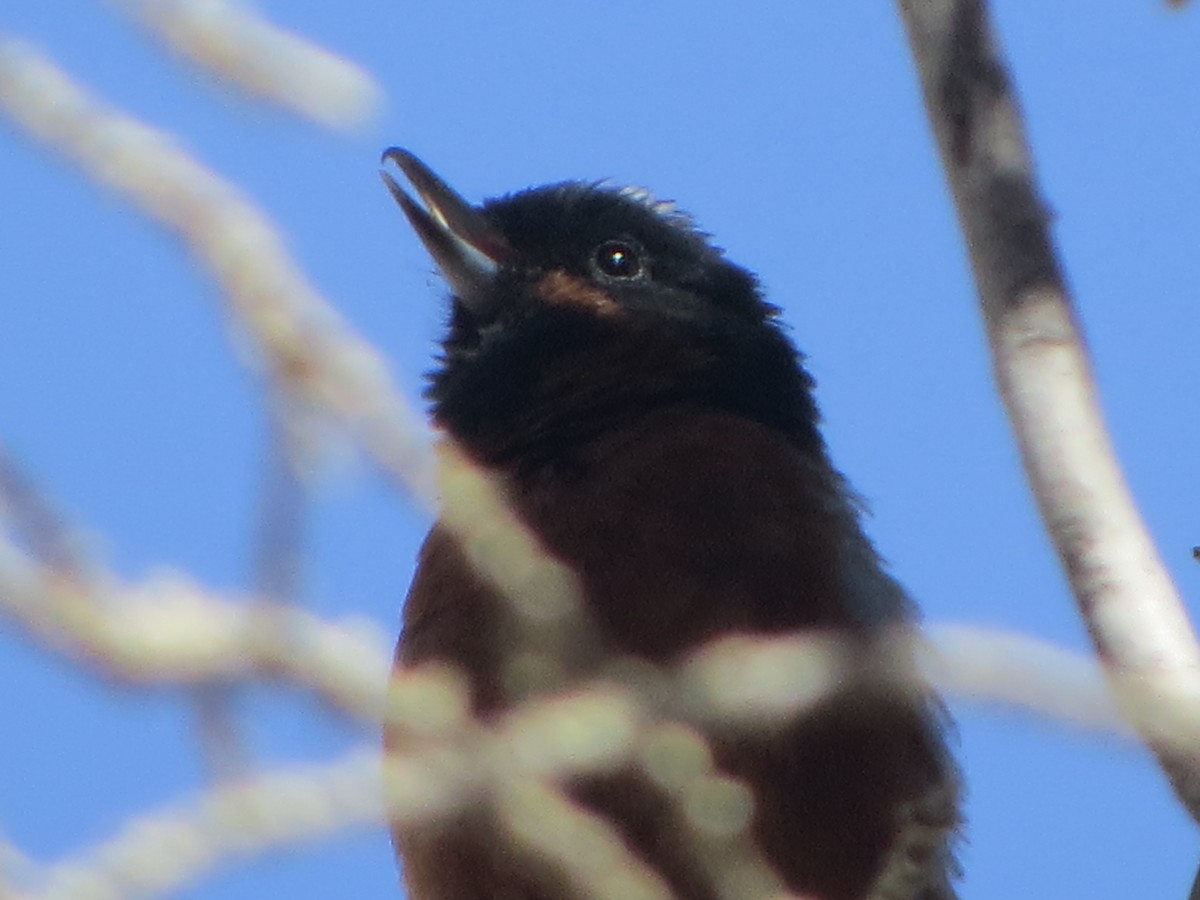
557, 288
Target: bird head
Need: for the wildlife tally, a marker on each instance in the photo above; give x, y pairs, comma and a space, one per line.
576, 304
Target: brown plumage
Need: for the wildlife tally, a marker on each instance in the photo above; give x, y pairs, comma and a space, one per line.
656, 430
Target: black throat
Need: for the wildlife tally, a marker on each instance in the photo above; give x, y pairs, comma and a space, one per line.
538, 390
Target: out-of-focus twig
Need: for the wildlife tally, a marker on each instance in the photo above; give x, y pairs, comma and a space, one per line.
541, 820
999, 668
307, 348
171, 631
303, 343
223, 743
711, 811
159, 852
234, 42
27, 515
277, 563
459, 769
18, 872
754, 683
1124, 593
290, 456
168, 630
456, 765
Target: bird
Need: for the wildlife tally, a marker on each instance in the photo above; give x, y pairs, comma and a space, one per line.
656, 429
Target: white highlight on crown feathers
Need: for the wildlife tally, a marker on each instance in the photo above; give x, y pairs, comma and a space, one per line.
665, 208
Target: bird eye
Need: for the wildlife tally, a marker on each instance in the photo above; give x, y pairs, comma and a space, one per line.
618, 259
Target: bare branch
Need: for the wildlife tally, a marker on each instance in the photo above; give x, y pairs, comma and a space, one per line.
304, 343
310, 352
712, 812
164, 850
1123, 591
539, 818
456, 766
264, 60
30, 518
169, 631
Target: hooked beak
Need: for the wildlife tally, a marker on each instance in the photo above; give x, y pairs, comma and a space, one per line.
466, 247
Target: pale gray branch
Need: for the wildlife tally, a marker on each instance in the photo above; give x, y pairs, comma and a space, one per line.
234, 42
1131, 607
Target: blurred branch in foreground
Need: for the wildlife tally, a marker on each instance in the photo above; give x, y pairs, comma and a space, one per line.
171, 631
306, 347
310, 353
233, 42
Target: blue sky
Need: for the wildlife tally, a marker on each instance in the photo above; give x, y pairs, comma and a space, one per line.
794, 133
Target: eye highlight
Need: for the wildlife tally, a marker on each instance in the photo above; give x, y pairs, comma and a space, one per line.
619, 259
